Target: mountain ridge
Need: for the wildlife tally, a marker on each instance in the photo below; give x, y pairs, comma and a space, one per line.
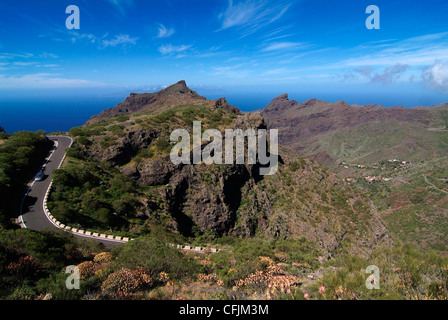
306, 127
158, 102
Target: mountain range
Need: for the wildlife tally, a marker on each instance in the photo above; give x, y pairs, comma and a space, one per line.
302, 200
311, 196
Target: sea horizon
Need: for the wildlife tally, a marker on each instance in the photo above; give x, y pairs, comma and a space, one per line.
60, 111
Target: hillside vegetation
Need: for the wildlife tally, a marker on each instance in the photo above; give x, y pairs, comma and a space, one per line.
21, 154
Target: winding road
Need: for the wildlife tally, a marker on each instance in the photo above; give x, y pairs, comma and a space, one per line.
32, 213
432, 184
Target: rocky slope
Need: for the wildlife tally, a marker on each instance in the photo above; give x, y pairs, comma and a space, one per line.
364, 133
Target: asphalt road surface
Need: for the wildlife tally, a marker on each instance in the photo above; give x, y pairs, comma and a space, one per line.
32, 212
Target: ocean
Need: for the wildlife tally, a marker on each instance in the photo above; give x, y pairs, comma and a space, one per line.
55, 111
61, 113
51, 114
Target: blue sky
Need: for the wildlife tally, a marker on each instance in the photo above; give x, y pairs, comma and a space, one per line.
309, 48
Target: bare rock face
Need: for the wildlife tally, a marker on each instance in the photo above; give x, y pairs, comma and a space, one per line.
222, 104
323, 157
126, 147
208, 196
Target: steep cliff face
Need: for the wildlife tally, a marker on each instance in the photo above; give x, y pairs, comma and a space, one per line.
127, 146
206, 196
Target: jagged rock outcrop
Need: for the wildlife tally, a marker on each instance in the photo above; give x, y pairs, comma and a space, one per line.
208, 197
223, 104
126, 147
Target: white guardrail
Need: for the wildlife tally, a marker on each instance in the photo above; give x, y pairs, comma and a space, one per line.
103, 236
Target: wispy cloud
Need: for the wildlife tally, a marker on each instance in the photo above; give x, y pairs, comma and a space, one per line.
24, 64
9, 56
251, 15
45, 80
168, 49
365, 71
89, 38
386, 76
388, 61
121, 5
20, 61
283, 46
232, 71
390, 74
121, 39
163, 32
415, 51
48, 65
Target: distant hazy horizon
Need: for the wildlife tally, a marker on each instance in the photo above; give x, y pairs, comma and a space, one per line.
61, 110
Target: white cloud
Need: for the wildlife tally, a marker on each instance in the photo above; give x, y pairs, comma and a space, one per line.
251, 15
163, 32
24, 64
436, 76
45, 80
416, 51
283, 46
121, 39
48, 65
170, 49
90, 38
10, 56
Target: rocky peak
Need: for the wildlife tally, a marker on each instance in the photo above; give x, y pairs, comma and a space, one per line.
281, 103
176, 94
180, 88
223, 104
281, 97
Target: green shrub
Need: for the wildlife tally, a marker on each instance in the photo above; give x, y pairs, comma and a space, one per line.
294, 166
116, 129
121, 118
83, 140
156, 257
